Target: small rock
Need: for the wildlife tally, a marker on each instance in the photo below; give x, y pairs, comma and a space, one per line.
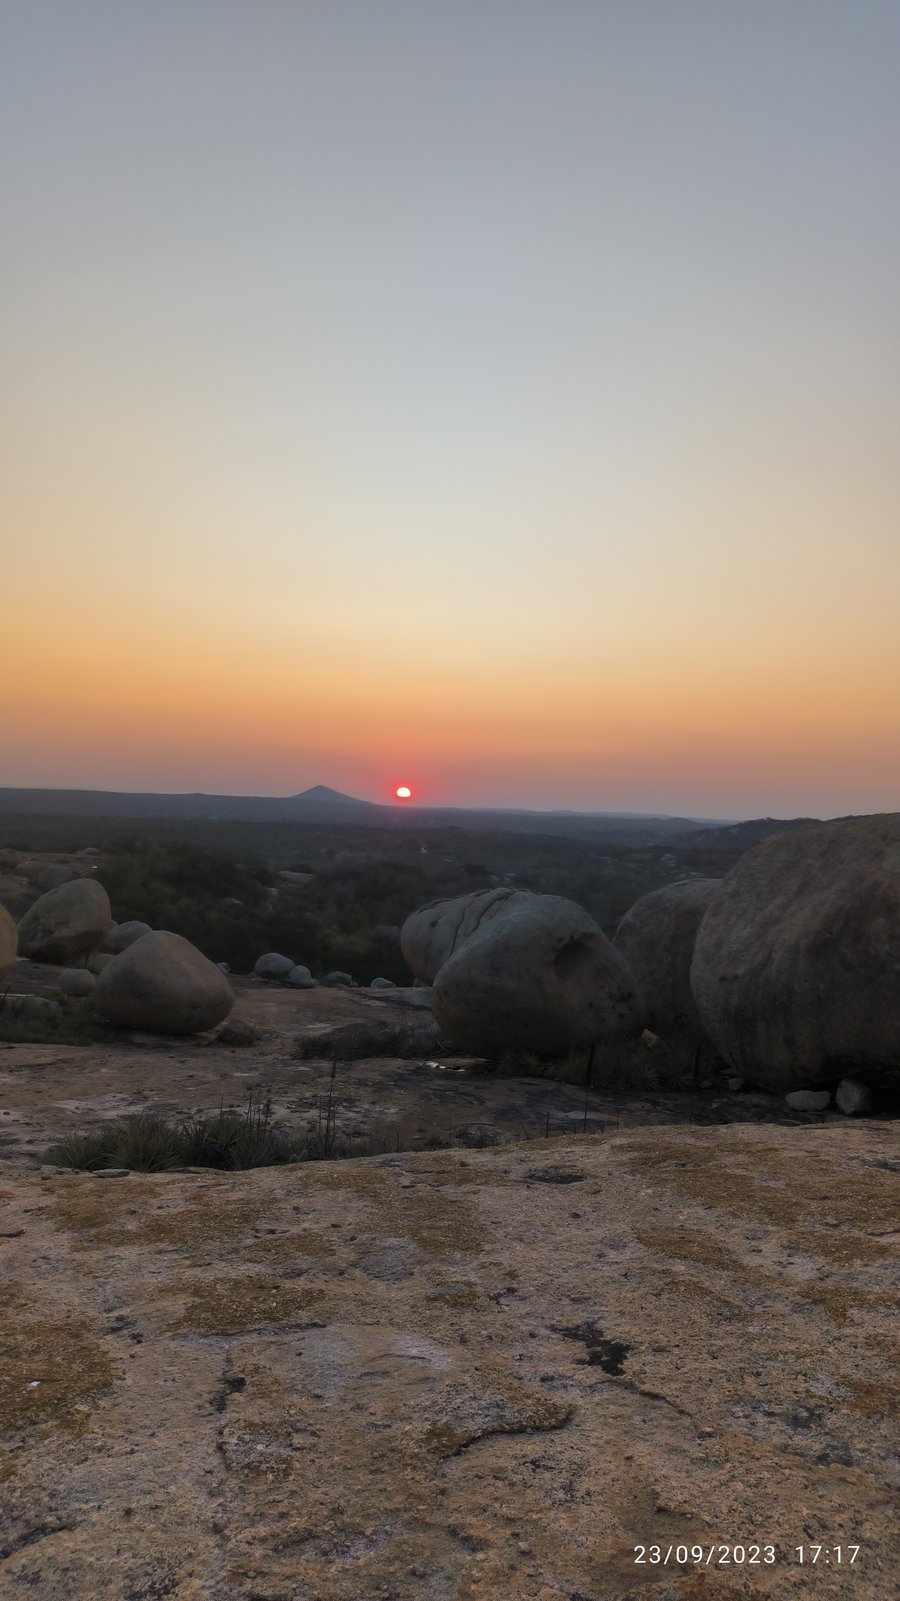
111, 1172
273, 965
337, 978
223, 967
734, 1084
382, 984
853, 1098
237, 1033
300, 978
76, 981
808, 1100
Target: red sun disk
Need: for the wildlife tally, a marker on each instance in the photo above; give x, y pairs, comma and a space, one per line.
403, 792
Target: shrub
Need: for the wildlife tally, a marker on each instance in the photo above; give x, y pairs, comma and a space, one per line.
145, 1143
82, 1151
233, 1140
210, 1141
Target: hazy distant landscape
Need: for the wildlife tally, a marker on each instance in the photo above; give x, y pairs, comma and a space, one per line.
372, 865
322, 804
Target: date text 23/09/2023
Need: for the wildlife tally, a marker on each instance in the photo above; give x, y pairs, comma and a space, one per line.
721, 1556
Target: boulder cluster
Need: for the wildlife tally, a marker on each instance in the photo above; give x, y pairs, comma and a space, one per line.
788, 968
277, 969
137, 977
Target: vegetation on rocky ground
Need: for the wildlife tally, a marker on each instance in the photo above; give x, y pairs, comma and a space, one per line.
73, 1022
148, 1143
211, 881
233, 1140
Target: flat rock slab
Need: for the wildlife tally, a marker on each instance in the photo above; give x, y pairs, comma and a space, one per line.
447, 1376
49, 1090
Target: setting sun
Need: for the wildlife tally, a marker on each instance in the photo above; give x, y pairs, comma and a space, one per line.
403, 793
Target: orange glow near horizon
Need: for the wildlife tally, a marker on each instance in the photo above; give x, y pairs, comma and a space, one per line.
692, 728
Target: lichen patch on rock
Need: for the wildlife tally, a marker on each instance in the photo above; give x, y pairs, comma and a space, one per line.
433, 1375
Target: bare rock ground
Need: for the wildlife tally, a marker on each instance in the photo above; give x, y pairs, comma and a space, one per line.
456, 1375
452, 1375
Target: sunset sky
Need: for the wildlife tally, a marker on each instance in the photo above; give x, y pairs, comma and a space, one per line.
493, 396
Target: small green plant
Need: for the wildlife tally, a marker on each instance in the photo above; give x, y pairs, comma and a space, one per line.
145, 1143
259, 1143
210, 1141
236, 1140
85, 1152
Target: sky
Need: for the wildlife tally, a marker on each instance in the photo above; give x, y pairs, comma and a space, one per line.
500, 398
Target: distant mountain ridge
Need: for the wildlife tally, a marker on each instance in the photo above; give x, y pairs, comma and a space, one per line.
323, 804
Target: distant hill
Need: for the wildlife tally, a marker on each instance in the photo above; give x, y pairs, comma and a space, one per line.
727, 836
313, 805
322, 804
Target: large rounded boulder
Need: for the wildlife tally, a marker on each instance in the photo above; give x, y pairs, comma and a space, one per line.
8, 942
796, 969
430, 936
656, 937
162, 984
538, 975
66, 924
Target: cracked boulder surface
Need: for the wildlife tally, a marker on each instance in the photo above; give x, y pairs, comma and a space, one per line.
450, 1376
